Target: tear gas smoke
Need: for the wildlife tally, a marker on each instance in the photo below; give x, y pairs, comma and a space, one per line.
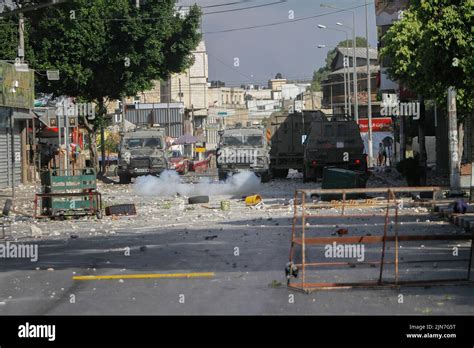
169, 183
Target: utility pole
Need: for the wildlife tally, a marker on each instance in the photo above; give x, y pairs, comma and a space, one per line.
454, 175
123, 114
24, 133
369, 88
21, 41
349, 100
354, 62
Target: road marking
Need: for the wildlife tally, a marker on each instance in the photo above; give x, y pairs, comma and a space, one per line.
146, 276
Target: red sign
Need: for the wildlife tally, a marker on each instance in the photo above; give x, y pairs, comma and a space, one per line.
378, 125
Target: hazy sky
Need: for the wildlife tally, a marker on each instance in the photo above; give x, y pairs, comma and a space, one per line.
287, 48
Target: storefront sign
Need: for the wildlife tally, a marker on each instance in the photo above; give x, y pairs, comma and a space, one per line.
378, 125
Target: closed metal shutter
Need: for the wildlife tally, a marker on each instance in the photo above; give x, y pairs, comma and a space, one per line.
6, 164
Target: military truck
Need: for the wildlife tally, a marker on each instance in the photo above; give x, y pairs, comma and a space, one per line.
286, 132
333, 144
241, 149
142, 152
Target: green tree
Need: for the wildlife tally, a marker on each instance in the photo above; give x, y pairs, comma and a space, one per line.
424, 44
106, 49
322, 73
430, 49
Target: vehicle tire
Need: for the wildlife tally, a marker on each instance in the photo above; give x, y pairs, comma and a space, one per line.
264, 177
198, 199
280, 173
223, 176
306, 175
125, 179
319, 173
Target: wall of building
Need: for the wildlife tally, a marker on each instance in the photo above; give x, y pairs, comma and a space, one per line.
226, 96
276, 84
260, 93
261, 109
191, 86
292, 90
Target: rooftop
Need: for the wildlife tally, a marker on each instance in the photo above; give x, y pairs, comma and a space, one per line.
360, 52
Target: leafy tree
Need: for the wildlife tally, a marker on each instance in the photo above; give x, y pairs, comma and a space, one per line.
106, 49
322, 73
432, 48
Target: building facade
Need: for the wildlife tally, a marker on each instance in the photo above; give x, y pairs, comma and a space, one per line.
16, 102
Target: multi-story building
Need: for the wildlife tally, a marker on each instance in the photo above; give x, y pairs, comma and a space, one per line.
333, 88
226, 108
190, 87
386, 13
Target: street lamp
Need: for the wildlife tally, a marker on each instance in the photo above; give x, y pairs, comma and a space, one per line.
369, 87
348, 62
347, 110
356, 106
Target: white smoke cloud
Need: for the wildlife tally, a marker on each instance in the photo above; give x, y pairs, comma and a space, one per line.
169, 183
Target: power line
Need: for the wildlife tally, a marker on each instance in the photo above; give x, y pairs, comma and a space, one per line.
285, 22
228, 4
246, 8
229, 66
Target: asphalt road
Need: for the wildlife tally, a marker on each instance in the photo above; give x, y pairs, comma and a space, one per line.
251, 283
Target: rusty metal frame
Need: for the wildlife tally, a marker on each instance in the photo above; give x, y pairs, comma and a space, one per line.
367, 203
391, 204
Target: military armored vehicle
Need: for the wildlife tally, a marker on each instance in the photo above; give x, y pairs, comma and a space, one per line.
242, 149
142, 152
287, 132
333, 144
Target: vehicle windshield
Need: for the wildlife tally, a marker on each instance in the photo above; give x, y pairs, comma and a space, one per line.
143, 142
253, 140
243, 140
174, 154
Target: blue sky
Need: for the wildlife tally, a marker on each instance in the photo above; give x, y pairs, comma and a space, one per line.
289, 48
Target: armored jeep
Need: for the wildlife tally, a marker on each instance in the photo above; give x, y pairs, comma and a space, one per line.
242, 149
333, 144
142, 152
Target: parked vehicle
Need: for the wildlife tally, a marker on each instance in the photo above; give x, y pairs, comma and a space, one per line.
243, 149
142, 152
286, 133
176, 161
333, 144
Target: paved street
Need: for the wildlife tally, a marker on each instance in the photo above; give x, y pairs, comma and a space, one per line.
170, 236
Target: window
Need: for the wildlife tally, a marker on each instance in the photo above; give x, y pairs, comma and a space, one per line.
260, 107
253, 140
233, 140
